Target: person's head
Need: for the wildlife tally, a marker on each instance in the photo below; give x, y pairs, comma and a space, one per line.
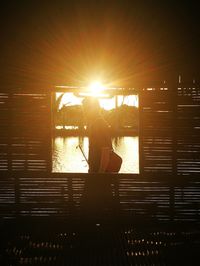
91, 108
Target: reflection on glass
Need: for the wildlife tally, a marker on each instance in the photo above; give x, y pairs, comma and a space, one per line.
69, 124
67, 157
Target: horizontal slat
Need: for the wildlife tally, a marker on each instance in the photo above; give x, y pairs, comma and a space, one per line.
25, 131
60, 195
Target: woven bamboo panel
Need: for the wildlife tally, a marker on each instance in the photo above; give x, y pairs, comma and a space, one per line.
25, 132
156, 130
132, 197
170, 130
167, 187
188, 130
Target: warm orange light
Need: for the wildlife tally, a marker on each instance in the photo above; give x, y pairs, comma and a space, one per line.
96, 88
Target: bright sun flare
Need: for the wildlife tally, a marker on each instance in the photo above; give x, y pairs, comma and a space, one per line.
96, 87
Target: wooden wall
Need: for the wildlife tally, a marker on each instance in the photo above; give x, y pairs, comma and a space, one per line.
187, 128
170, 130
167, 188
156, 130
25, 130
126, 197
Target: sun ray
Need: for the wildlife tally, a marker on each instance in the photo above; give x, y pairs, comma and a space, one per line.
96, 88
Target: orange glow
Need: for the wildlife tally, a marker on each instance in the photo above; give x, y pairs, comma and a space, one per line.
105, 101
96, 87
93, 94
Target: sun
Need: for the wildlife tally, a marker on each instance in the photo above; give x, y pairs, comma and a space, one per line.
96, 88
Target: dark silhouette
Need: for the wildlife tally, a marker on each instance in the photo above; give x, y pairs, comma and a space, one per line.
100, 143
97, 197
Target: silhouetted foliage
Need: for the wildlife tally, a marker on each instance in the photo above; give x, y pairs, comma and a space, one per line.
120, 117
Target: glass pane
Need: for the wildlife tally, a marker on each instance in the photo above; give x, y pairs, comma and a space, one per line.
121, 112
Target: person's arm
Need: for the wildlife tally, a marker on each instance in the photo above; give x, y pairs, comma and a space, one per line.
105, 157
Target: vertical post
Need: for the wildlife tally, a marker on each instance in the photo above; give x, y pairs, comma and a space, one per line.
174, 130
9, 142
49, 130
116, 101
141, 163
174, 149
53, 110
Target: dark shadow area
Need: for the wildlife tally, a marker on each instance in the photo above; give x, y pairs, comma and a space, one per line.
52, 242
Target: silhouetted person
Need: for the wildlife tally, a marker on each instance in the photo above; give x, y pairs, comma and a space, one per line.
100, 143
97, 198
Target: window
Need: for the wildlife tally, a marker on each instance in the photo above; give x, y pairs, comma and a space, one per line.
69, 127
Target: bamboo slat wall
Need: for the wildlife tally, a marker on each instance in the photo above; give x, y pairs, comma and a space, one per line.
156, 130
25, 131
188, 130
167, 188
170, 130
62, 196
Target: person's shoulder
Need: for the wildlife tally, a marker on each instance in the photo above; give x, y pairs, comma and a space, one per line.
99, 124
102, 122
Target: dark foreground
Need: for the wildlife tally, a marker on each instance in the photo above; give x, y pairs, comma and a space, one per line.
52, 243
